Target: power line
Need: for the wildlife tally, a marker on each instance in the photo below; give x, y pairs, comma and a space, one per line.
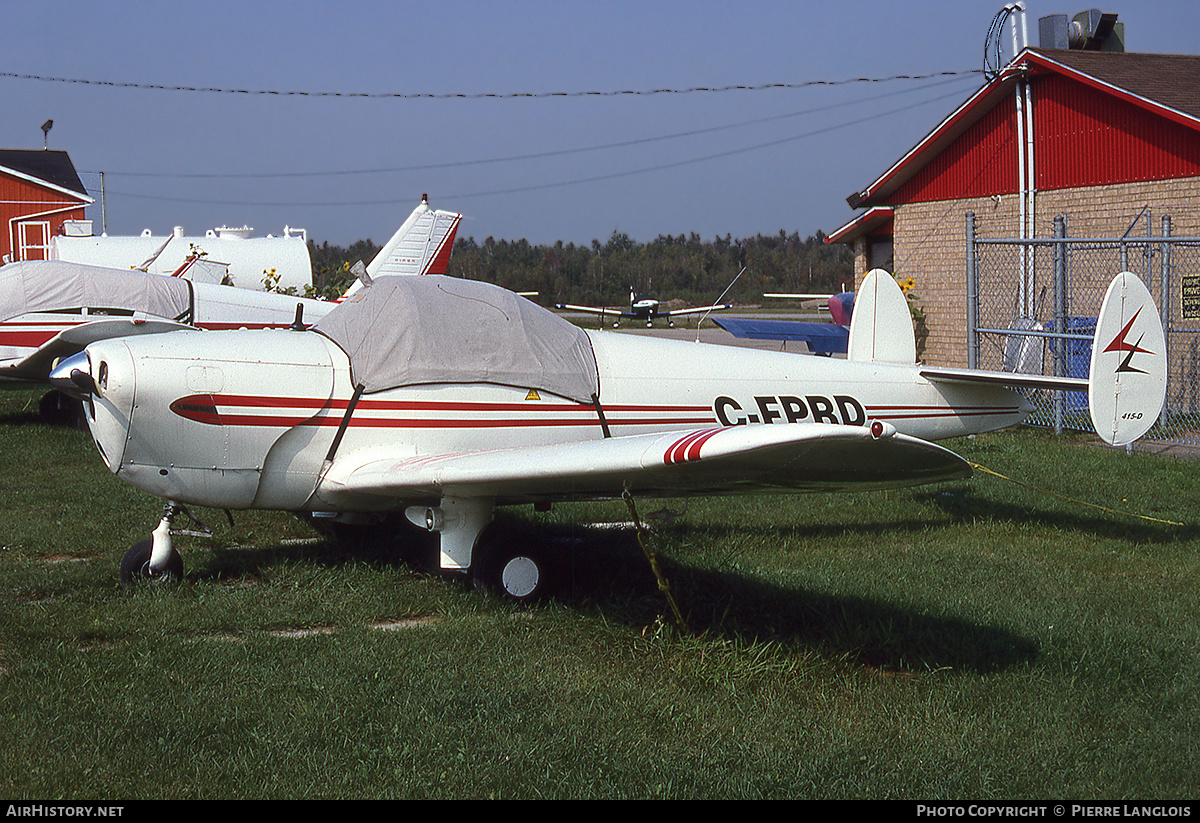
476, 95
542, 186
528, 156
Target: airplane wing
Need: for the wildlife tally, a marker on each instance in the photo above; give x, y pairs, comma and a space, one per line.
737, 459
822, 338
36, 365
595, 310
696, 310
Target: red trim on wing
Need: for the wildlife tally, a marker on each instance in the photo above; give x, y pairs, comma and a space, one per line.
34, 334
687, 448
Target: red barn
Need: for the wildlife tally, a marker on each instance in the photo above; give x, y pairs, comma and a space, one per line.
39, 191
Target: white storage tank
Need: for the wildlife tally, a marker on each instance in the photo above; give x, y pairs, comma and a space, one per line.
248, 260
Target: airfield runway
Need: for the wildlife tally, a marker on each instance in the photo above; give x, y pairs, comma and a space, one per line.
708, 331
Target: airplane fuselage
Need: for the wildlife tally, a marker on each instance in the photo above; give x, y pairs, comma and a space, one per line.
252, 419
643, 308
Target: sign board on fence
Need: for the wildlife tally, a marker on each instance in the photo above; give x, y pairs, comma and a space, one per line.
1191, 297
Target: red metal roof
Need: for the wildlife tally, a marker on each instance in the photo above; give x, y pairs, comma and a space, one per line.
1100, 117
877, 220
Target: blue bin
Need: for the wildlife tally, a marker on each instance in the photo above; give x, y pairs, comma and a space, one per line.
1078, 356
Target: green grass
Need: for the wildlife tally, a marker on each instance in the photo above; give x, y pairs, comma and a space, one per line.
976, 640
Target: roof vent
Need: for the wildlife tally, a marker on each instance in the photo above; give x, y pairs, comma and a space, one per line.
1091, 30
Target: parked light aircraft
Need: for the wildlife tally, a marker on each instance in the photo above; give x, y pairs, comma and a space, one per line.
53, 309
643, 307
443, 398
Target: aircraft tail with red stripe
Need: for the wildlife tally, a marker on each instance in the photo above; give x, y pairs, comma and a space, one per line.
421, 245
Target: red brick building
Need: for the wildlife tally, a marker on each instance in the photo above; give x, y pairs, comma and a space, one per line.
1095, 137
39, 190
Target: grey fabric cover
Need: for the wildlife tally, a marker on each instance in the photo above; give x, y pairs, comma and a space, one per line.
407, 330
48, 285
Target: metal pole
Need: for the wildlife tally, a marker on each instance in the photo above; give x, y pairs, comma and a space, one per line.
1060, 316
972, 297
1164, 307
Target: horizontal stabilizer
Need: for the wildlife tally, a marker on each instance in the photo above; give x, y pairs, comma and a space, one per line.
1015, 380
1127, 381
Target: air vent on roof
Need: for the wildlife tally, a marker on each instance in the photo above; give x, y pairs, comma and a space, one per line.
1090, 30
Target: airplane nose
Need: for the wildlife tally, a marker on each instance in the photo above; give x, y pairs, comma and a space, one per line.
73, 377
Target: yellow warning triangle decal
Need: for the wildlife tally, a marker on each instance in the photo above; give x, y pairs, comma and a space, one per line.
533, 395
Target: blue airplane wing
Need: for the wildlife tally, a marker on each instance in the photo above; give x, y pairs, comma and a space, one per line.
822, 338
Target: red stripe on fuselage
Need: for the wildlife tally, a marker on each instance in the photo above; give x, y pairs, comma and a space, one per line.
937, 412
313, 411
318, 412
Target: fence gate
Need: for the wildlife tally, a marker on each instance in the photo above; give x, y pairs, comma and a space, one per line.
1032, 307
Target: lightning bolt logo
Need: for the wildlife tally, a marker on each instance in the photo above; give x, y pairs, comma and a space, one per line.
1120, 344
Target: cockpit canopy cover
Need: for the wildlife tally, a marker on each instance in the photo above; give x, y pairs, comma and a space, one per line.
54, 285
404, 331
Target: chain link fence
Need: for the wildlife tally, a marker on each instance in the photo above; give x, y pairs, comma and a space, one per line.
1032, 307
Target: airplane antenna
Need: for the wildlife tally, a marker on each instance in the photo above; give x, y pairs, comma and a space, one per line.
719, 299
360, 272
147, 263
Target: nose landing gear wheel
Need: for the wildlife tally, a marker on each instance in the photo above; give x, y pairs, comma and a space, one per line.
135, 566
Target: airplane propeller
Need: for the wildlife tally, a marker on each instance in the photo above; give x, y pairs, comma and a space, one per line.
73, 377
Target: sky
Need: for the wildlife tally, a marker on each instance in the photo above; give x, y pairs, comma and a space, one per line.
336, 117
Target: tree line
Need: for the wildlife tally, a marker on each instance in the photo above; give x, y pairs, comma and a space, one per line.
669, 267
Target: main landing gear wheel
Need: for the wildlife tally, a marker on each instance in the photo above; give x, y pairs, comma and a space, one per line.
135, 566
517, 573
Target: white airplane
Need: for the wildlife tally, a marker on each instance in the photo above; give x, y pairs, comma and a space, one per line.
642, 307
443, 398
53, 309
